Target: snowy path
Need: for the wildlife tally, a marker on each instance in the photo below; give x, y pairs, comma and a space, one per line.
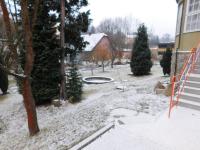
180, 132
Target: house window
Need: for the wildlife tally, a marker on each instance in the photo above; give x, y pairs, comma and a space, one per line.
178, 25
193, 16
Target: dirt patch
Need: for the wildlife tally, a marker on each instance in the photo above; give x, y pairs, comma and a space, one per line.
3, 97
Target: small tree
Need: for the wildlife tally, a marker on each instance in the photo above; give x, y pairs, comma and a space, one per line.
3, 78
166, 61
102, 54
74, 85
141, 55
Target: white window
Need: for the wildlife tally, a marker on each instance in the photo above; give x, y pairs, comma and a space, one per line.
193, 16
178, 24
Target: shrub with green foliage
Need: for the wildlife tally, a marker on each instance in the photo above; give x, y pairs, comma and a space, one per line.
141, 55
74, 85
166, 61
46, 69
3, 78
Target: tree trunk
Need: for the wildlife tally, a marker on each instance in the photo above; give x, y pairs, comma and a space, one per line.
103, 66
27, 92
30, 107
112, 63
62, 43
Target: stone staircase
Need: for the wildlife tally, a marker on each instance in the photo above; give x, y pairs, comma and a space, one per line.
190, 98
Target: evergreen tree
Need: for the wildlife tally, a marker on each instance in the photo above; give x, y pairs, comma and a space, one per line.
3, 78
74, 85
45, 75
141, 55
166, 61
46, 69
76, 23
46, 72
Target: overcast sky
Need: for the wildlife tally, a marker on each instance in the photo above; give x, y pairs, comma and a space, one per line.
160, 15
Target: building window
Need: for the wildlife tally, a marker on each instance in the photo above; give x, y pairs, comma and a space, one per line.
178, 24
193, 16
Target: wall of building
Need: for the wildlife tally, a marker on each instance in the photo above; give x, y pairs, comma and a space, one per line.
181, 58
102, 51
187, 41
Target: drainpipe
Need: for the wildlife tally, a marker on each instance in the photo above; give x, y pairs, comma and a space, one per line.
179, 40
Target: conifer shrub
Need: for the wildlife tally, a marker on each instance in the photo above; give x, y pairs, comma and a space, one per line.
3, 78
141, 55
74, 85
165, 62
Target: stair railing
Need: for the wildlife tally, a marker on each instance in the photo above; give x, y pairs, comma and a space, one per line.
178, 81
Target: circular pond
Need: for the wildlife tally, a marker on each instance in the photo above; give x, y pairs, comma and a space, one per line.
97, 80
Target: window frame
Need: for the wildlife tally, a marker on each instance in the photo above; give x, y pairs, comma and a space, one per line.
179, 18
190, 15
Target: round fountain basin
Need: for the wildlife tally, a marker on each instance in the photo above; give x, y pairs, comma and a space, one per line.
97, 80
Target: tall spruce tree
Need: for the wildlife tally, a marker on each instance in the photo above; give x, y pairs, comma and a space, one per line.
46, 72
76, 22
141, 55
166, 61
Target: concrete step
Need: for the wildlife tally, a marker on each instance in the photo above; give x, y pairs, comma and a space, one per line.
197, 66
192, 84
194, 78
190, 102
190, 97
196, 71
192, 90
195, 75
188, 105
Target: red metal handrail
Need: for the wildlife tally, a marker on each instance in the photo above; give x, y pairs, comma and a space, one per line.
185, 72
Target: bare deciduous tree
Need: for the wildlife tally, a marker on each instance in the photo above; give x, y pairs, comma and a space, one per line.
101, 54
9, 34
117, 30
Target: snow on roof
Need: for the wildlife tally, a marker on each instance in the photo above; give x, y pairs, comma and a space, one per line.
127, 49
92, 40
131, 36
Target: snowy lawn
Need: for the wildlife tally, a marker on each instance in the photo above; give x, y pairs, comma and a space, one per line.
63, 127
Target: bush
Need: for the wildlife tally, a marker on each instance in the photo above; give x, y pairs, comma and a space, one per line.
166, 61
74, 85
3, 79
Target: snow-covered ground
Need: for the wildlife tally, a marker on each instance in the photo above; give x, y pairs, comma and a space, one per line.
144, 132
63, 127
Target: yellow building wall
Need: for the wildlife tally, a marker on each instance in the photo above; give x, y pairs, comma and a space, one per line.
188, 41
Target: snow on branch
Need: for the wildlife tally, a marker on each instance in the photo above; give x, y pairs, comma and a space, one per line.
12, 73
